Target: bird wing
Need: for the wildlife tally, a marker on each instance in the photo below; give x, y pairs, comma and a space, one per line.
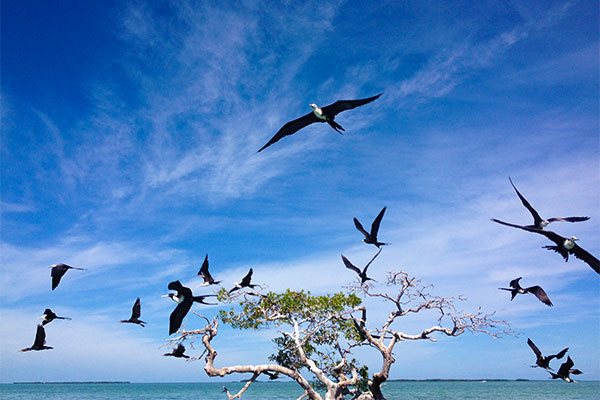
57, 273
359, 226
568, 219
343, 105
291, 127
246, 280
204, 268
583, 255
562, 353
575, 371
178, 352
536, 217
40, 337
351, 266
565, 367
178, 315
540, 294
535, 349
377, 222
525, 228
515, 283
136, 310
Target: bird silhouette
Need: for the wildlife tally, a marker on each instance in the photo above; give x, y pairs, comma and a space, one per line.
361, 274
324, 114
540, 360
245, 282
205, 275
371, 237
177, 352
136, 313
565, 370
57, 272
515, 288
50, 316
185, 299
40, 340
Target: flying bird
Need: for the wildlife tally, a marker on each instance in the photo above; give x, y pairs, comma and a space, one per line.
319, 114
177, 352
361, 274
564, 246
57, 272
184, 298
272, 375
50, 316
515, 288
371, 237
40, 340
136, 313
539, 222
245, 282
540, 360
204, 274
565, 370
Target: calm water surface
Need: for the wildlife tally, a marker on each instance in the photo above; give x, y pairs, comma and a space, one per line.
533, 390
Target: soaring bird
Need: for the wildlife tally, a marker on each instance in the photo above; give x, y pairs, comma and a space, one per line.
136, 313
245, 282
322, 114
177, 352
361, 274
272, 375
371, 237
184, 298
40, 340
540, 360
515, 288
539, 222
50, 316
57, 272
204, 274
565, 370
564, 246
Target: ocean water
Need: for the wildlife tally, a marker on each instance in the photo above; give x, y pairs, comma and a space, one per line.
531, 390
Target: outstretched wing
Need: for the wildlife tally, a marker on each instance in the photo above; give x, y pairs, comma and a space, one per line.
565, 367
351, 266
568, 219
377, 222
57, 273
535, 349
291, 127
136, 310
540, 294
562, 353
360, 228
40, 336
246, 280
536, 217
343, 105
589, 259
204, 268
178, 315
515, 283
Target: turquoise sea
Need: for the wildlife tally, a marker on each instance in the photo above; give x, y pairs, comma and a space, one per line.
530, 390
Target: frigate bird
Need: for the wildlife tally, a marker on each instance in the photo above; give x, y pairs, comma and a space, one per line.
319, 114
136, 313
565, 370
177, 352
371, 237
540, 360
185, 299
50, 316
205, 275
245, 282
57, 272
272, 375
515, 288
40, 340
538, 221
361, 274
564, 246
172, 296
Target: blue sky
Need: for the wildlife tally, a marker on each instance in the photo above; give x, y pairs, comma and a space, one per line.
129, 139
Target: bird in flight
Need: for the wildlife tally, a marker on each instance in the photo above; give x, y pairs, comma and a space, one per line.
515, 288
540, 360
57, 272
136, 313
563, 246
184, 298
205, 275
319, 114
361, 274
245, 282
177, 352
50, 316
565, 370
40, 340
371, 237
538, 221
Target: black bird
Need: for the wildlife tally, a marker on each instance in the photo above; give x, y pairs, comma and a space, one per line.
540, 360
177, 352
245, 282
565, 370
361, 274
272, 375
184, 298
204, 274
564, 246
58, 270
49, 316
40, 340
539, 222
136, 313
371, 237
535, 290
323, 114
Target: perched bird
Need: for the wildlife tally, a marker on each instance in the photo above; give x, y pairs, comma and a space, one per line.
49, 316
177, 352
539, 222
564, 246
136, 313
540, 360
323, 114
40, 340
361, 274
535, 290
57, 272
565, 370
185, 299
371, 237
245, 282
204, 274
